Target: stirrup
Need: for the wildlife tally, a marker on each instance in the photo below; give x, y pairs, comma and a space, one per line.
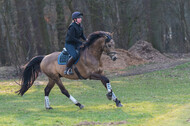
68, 71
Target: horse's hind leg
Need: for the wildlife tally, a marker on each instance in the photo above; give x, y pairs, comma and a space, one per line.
66, 93
47, 90
105, 81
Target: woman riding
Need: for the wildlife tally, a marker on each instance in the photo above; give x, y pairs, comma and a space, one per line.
73, 43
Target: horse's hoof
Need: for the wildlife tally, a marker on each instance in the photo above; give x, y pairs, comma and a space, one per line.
81, 106
118, 103
49, 108
109, 95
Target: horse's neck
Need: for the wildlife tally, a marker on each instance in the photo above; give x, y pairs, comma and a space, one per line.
95, 51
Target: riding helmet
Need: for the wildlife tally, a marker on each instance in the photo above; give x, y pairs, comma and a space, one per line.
77, 15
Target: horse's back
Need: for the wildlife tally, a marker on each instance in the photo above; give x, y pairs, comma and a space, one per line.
51, 57
49, 64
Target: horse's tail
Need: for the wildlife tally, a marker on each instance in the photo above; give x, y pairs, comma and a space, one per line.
30, 73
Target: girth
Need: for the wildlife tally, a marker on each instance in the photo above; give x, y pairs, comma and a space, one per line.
78, 73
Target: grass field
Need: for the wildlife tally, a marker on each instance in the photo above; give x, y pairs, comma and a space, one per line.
160, 98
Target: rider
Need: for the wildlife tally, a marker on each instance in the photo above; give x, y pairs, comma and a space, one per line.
73, 43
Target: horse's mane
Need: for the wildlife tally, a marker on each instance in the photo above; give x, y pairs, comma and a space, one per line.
93, 37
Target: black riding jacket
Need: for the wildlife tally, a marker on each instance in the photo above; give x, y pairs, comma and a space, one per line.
74, 33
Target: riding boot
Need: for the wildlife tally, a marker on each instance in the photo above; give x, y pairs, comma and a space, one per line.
68, 69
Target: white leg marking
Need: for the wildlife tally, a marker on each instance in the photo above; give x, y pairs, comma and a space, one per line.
47, 104
73, 99
113, 96
108, 87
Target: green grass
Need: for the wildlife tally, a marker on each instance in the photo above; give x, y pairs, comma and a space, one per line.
160, 98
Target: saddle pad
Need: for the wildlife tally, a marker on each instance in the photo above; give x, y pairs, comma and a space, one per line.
63, 58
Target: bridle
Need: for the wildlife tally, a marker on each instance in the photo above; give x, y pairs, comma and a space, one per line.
108, 39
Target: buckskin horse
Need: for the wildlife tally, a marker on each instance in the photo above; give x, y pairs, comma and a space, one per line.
89, 66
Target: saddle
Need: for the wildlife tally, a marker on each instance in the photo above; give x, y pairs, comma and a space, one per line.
64, 57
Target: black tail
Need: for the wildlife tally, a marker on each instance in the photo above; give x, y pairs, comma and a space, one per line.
30, 74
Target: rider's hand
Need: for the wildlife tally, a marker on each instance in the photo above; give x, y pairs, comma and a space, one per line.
82, 46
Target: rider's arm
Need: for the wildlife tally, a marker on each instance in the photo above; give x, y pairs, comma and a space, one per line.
83, 36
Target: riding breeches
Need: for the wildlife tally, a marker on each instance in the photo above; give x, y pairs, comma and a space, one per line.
72, 50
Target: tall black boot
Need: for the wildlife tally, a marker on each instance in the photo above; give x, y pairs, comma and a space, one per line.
68, 69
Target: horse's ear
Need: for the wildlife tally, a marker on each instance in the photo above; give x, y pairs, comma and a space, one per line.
112, 34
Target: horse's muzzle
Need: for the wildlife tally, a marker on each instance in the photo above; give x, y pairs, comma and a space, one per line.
114, 58
113, 55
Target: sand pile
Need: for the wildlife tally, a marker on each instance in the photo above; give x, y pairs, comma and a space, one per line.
125, 59
146, 51
141, 52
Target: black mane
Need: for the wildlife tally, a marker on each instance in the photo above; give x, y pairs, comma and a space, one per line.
93, 37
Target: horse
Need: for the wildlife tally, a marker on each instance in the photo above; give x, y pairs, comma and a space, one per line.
89, 66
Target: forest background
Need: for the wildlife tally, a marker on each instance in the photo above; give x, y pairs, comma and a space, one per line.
38, 27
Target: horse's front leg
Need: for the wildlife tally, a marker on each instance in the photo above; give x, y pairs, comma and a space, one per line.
105, 81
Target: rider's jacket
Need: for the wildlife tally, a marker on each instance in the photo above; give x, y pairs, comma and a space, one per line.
75, 32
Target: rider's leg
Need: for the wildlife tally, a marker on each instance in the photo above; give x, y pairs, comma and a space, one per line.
68, 69
71, 50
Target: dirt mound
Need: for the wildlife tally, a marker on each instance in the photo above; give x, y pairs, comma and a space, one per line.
8, 72
86, 123
125, 59
146, 51
188, 120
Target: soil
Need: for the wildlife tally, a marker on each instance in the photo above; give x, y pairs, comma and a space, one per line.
147, 68
124, 59
188, 120
146, 51
142, 55
85, 123
8, 72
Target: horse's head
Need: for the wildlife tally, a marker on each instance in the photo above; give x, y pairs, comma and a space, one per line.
109, 46
104, 41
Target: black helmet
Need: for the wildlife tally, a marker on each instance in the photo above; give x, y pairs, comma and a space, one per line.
76, 15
